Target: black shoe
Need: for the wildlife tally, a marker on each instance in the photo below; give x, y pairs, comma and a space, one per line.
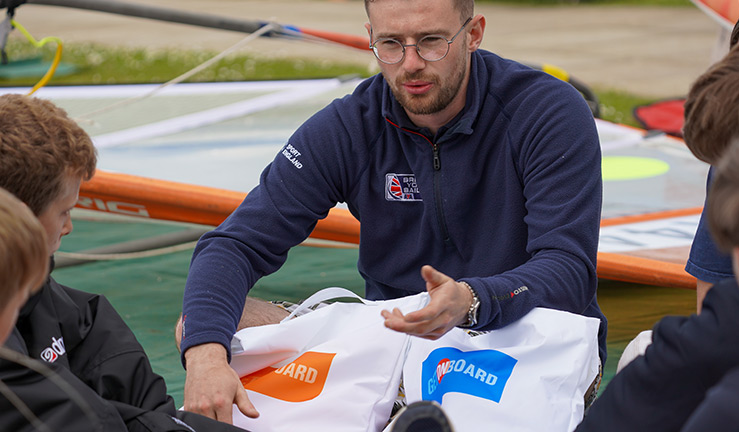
422, 416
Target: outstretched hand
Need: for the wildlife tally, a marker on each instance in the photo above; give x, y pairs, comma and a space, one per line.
212, 387
448, 307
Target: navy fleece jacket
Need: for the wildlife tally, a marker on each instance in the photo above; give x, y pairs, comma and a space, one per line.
506, 197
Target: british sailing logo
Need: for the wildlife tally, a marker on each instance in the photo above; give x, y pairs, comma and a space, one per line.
401, 187
52, 353
478, 373
300, 380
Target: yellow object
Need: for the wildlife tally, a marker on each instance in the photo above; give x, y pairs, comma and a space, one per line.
556, 72
632, 168
38, 44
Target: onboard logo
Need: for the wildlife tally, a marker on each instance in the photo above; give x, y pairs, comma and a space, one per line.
478, 373
52, 353
300, 380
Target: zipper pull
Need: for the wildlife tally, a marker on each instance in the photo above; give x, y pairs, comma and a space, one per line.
437, 159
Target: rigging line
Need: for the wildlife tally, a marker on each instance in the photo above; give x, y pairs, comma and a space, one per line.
177, 248
328, 244
23, 408
264, 29
128, 255
47, 372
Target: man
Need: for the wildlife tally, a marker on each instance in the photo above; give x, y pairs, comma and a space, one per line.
688, 379
44, 156
474, 178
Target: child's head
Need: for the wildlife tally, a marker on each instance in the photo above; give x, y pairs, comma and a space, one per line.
24, 258
712, 109
44, 156
723, 203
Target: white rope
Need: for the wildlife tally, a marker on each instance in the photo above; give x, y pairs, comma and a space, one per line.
127, 255
264, 29
179, 248
328, 244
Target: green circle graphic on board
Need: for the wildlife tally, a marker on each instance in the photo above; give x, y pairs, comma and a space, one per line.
632, 168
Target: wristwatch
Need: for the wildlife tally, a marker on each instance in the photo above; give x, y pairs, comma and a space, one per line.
474, 310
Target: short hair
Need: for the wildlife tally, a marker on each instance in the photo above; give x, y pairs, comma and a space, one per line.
40, 146
466, 8
723, 200
24, 255
712, 109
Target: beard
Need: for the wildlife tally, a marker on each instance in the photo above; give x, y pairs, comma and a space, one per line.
443, 93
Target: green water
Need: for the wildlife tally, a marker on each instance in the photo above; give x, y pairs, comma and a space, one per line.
148, 292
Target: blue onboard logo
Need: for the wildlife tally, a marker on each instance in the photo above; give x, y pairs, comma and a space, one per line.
478, 373
401, 187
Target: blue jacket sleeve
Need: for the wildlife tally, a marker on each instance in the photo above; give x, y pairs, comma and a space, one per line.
254, 240
559, 163
706, 262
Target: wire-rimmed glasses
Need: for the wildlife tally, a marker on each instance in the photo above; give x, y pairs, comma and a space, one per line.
430, 47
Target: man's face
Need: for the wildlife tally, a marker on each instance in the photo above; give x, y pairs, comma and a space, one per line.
420, 86
56, 218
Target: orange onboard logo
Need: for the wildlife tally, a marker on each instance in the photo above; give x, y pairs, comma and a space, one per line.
298, 381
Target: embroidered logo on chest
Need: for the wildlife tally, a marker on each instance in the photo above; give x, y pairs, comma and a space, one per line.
401, 187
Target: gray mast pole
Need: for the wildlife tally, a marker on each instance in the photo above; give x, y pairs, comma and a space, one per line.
157, 13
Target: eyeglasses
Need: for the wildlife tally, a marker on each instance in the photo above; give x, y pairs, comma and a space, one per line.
430, 48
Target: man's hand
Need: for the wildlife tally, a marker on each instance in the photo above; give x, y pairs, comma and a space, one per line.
449, 305
212, 387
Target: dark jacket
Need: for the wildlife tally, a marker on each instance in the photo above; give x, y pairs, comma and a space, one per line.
87, 344
718, 411
690, 369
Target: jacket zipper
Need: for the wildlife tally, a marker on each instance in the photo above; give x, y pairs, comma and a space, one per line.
437, 181
437, 159
437, 192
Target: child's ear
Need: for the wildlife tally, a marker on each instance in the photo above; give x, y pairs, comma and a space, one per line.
735, 256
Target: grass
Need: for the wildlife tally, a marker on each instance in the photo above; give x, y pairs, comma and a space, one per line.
97, 64
618, 106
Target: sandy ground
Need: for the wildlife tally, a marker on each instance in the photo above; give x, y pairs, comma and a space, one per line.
654, 52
